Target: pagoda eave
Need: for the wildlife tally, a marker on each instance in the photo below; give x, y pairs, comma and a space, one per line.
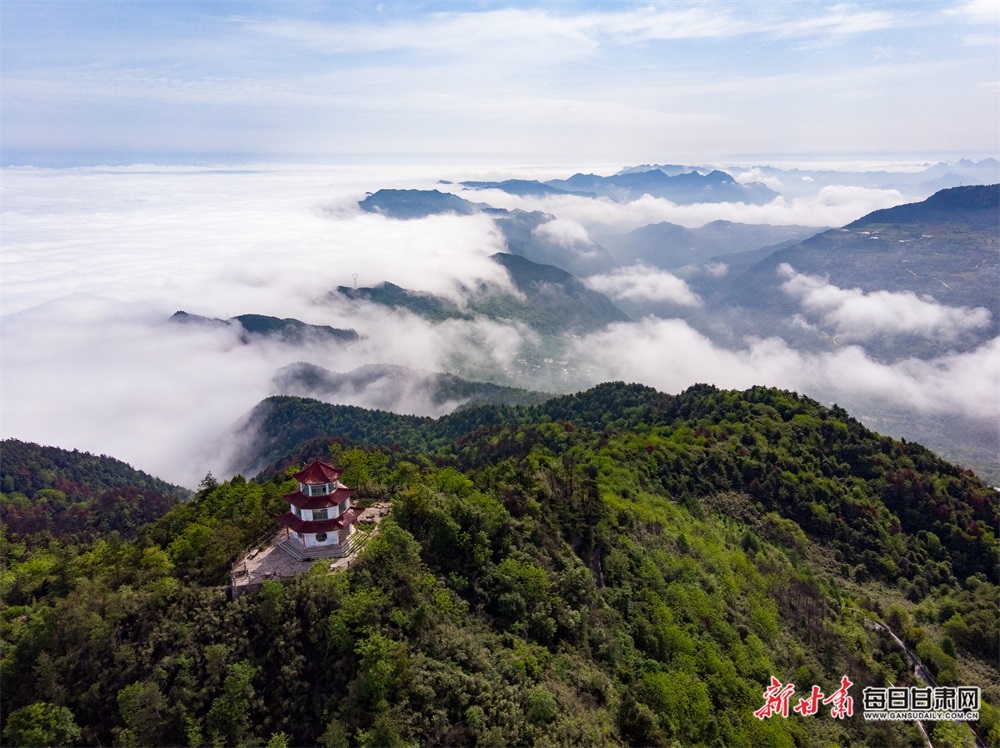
302, 501
303, 527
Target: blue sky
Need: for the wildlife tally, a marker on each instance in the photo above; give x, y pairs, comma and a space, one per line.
533, 83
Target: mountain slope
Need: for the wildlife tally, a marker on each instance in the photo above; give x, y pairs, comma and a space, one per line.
715, 441
76, 495
945, 249
555, 302
522, 187
617, 567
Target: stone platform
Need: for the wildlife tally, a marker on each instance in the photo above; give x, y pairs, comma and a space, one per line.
275, 562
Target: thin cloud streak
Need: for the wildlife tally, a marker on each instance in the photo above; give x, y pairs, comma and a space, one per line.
545, 32
537, 83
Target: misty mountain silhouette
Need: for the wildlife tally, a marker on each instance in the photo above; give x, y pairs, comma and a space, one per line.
669, 246
550, 300
524, 188
421, 303
411, 204
259, 326
684, 189
397, 388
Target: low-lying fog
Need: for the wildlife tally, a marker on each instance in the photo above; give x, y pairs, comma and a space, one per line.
95, 261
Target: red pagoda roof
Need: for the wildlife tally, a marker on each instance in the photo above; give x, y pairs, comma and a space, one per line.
317, 473
294, 522
339, 496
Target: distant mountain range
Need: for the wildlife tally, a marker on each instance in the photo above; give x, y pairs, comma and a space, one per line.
932, 178
259, 327
683, 187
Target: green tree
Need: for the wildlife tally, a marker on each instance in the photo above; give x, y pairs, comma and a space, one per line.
229, 716
41, 724
142, 707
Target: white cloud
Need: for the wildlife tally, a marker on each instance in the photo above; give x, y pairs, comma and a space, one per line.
211, 242
95, 261
670, 355
976, 11
562, 33
562, 232
716, 269
860, 316
643, 283
832, 205
754, 174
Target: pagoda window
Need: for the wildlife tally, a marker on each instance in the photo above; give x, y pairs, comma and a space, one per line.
321, 537
320, 513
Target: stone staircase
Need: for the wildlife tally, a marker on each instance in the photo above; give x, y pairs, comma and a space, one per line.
293, 548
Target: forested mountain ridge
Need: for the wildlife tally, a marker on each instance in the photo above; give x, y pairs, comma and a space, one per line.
618, 567
837, 479
72, 494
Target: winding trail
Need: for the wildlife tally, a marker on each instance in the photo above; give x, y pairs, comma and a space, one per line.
918, 670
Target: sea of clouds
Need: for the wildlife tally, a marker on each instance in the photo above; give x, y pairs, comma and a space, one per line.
96, 260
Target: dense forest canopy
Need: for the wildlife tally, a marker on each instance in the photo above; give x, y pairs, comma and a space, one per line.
618, 566
70, 495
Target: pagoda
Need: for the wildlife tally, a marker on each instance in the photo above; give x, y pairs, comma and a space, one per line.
320, 519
